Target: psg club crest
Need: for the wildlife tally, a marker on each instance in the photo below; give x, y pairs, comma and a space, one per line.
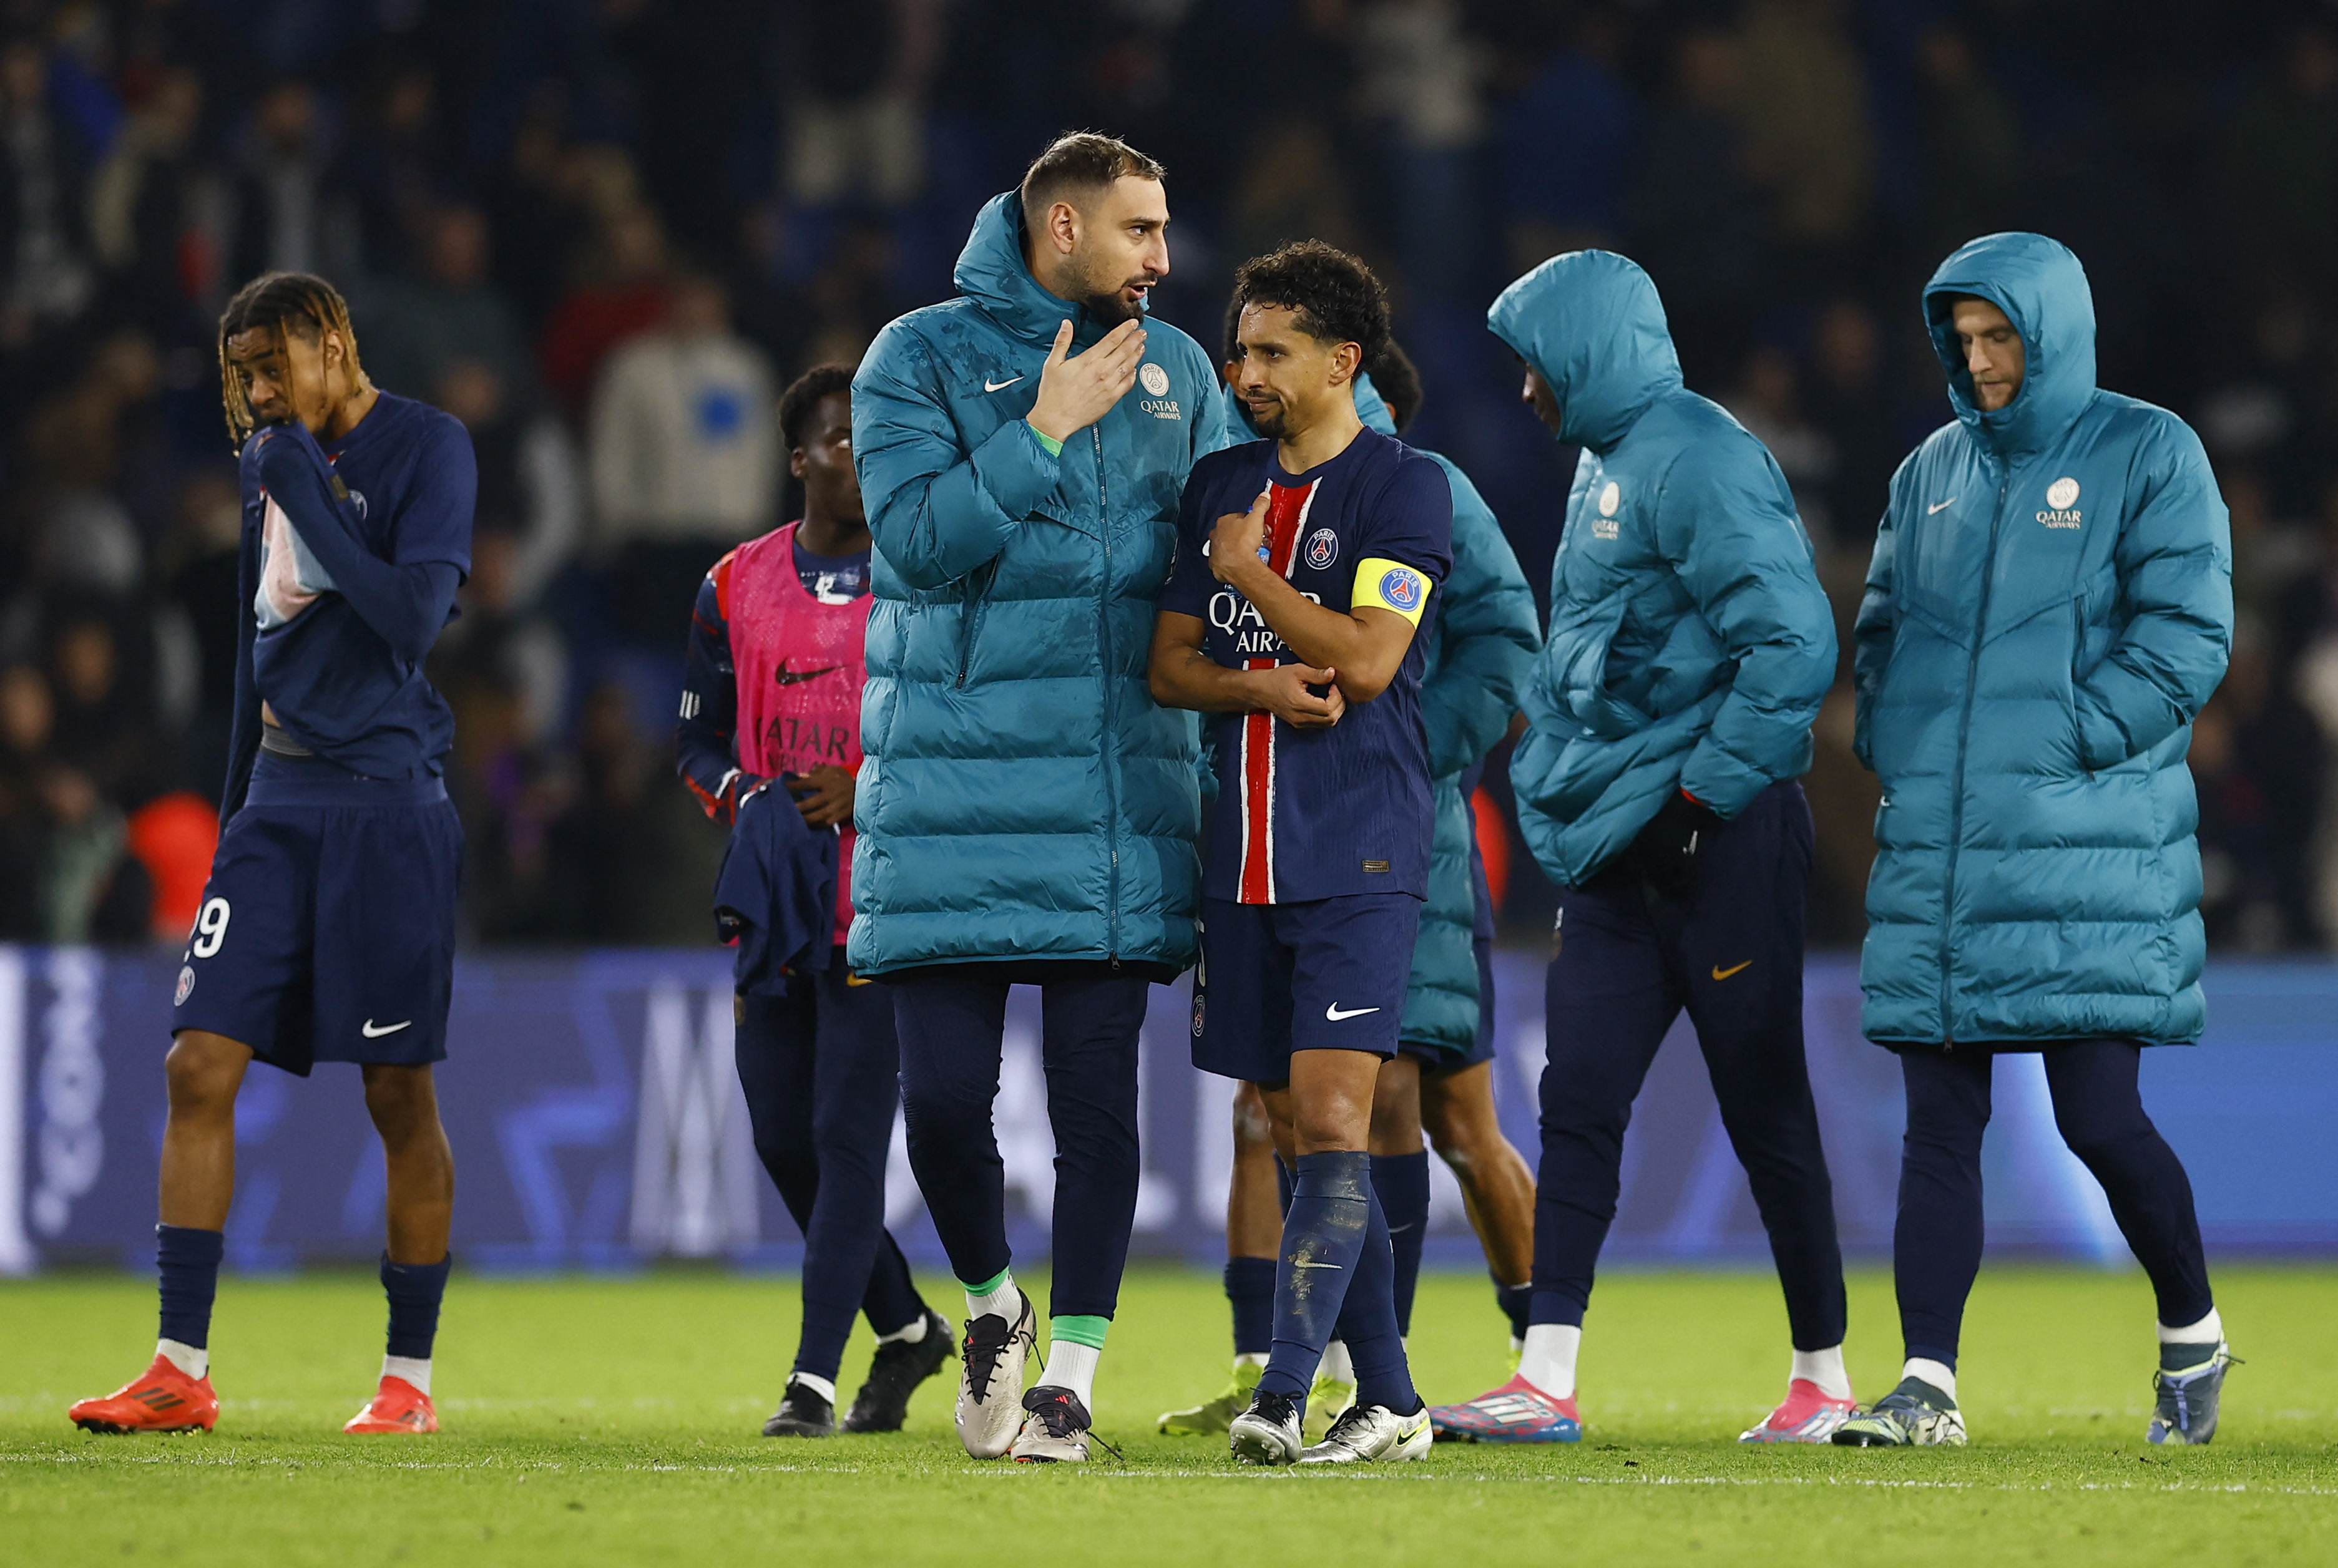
1401, 588
186, 985
1322, 548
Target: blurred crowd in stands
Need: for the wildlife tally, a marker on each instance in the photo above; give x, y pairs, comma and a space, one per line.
604, 233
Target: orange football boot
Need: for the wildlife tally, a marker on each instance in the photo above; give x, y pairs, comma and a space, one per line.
160, 1399
398, 1407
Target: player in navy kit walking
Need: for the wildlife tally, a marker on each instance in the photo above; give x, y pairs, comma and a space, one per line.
327, 933
1305, 565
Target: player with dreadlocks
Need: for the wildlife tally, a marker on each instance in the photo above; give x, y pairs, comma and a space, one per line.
327, 933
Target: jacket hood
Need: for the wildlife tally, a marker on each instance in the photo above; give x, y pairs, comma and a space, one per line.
991, 272
2043, 291
1591, 325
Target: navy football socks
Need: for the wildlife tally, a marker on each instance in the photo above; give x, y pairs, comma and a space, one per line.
189, 1261
1400, 1182
1368, 1323
1514, 1301
1323, 1235
415, 1290
1250, 1290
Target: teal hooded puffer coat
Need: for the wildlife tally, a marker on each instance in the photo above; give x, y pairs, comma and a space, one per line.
1690, 644
1480, 647
2051, 604
1023, 794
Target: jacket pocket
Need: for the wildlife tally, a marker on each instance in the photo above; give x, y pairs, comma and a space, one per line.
1574, 664
977, 600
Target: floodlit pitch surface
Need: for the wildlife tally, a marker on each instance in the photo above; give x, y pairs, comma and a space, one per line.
613, 1421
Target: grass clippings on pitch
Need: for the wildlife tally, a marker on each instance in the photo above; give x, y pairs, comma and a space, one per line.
613, 1421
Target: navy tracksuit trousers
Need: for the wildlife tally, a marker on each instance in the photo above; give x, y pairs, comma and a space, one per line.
951, 1019
2098, 1110
1626, 960
822, 1077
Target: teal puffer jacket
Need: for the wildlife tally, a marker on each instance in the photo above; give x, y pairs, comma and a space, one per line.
1023, 794
2049, 604
1480, 647
1690, 644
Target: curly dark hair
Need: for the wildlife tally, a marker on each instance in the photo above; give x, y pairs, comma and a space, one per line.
1399, 381
1335, 298
298, 303
803, 396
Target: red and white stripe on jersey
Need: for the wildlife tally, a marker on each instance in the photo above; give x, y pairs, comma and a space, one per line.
1286, 516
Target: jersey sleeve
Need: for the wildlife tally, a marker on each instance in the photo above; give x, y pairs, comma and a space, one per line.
436, 522
1190, 583
709, 716
1408, 541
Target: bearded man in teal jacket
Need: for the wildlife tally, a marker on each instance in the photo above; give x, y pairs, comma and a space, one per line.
1025, 811
2049, 604
1668, 718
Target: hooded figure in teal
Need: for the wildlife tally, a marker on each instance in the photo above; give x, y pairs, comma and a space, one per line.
1023, 794
2049, 604
1690, 644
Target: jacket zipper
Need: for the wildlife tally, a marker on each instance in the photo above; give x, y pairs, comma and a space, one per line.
1104, 640
977, 588
1964, 743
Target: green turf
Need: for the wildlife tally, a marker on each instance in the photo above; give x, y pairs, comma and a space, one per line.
614, 1422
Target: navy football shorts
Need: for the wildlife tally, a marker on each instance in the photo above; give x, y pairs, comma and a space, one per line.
1440, 1059
327, 932
1325, 976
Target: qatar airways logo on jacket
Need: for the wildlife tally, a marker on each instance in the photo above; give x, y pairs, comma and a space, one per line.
2062, 505
1155, 381
1605, 526
1238, 619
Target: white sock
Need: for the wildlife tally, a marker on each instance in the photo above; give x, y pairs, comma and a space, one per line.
824, 1387
1548, 1359
2209, 1331
187, 1358
1824, 1367
1072, 1367
913, 1334
1007, 1301
1518, 1345
1335, 1364
1250, 1358
415, 1370
1938, 1373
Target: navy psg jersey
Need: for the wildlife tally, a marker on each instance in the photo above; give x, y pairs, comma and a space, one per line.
1307, 814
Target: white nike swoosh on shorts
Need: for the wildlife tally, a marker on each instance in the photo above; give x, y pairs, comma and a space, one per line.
371, 1032
1334, 1013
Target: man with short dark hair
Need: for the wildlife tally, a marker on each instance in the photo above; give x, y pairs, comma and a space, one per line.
2049, 604
1026, 811
1306, 563
771, 694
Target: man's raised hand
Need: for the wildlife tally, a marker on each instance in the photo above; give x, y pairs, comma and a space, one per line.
1283, 692
1075, 393
1239, 538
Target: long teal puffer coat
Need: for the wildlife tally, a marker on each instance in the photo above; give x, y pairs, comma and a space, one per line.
1479, 650
2051, 604
1690, 644
1023, 794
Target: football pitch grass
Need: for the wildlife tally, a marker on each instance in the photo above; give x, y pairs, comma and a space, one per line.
613, 1421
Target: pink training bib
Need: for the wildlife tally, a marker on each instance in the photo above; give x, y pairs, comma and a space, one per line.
800, 665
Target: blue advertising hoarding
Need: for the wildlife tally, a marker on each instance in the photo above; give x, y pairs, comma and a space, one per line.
596, 1124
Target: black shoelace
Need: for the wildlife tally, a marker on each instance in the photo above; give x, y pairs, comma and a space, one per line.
1278, 1408
982, 1347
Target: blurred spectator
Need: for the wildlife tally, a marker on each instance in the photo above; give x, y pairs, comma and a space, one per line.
1969, 146
285, 219
388, 167
1848, 396
2280, 157
139, 205
1695, 216
1567, 147
530, 485
1424, 77
1767, 401
1803, 97
685, 459
536, 204
2257, 764
43, 181
202, 584
851, 296
64, 875
417, 328
620, 292
856, 109
628, 859
1290, 188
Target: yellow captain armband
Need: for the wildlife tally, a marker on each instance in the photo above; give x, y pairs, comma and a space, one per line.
1391, 585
